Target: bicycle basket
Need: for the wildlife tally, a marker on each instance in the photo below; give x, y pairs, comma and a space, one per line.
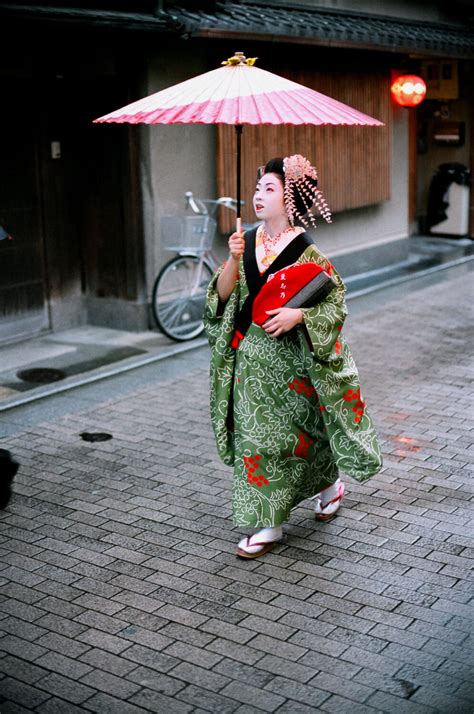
194, 233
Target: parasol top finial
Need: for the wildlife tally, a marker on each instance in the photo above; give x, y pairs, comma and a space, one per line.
239, 58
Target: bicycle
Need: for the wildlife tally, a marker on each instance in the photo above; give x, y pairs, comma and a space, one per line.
179, 291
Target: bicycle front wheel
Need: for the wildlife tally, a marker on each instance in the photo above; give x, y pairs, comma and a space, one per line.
179, 294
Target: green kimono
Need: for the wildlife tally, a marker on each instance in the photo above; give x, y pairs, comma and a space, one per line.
287, 413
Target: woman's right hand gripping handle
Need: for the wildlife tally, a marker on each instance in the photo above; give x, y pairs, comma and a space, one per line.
230, 271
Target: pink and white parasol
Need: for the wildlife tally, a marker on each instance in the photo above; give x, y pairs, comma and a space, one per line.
239, 93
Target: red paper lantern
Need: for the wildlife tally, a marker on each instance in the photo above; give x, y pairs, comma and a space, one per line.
408, 90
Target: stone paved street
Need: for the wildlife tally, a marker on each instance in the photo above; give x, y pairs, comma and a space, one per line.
120, 591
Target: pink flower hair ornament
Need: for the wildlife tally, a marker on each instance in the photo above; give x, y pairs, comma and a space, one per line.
301, 192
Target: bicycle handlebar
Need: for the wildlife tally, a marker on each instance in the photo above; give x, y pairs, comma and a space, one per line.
201, 206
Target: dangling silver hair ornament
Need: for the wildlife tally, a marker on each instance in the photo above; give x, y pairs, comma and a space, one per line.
301, 181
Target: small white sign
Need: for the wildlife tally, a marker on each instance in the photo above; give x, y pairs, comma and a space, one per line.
55, 149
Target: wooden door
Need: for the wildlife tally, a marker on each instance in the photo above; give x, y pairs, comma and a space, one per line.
70, 198
23, 289
91, 197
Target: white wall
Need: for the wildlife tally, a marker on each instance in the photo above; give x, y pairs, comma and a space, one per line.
175, 158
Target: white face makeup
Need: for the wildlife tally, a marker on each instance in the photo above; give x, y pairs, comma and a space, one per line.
268, 200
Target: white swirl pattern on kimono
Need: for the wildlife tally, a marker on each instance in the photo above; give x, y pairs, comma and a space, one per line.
294, 410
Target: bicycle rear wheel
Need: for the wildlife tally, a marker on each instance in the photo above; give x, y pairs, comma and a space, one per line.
179, 294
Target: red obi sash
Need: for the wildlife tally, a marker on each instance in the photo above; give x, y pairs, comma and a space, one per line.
290, 287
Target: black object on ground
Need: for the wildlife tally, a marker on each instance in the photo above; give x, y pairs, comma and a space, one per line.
41, 375
8, 469
95, 436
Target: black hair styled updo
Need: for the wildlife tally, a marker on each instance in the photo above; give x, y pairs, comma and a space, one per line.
275, 166
303, 201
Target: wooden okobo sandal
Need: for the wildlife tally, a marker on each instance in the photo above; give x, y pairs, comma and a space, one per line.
266, 547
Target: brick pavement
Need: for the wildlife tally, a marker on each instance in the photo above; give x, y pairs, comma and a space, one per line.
120, 592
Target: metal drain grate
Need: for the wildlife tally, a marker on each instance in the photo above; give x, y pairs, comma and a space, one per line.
41, 375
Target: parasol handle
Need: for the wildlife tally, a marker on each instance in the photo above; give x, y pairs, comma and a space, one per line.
238, 129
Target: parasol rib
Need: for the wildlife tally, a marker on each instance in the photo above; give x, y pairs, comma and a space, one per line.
239, 94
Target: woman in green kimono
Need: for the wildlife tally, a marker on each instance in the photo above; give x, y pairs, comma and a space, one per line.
286, 406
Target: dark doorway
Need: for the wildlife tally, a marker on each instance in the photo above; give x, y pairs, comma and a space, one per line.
23, 284
70, 193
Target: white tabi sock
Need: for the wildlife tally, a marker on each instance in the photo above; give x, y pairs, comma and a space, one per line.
329, 493
268, 534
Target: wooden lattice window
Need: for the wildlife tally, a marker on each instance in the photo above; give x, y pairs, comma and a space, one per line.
353, 162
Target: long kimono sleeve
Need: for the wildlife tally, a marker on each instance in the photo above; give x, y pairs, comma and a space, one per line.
334, 375
323, 323
219, 322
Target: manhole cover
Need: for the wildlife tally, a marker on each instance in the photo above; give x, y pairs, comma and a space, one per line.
41, 375
95, 436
